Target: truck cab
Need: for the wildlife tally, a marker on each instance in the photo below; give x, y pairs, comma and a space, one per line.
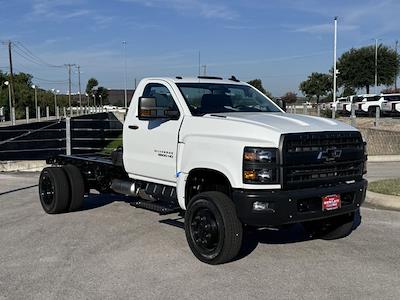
230, 159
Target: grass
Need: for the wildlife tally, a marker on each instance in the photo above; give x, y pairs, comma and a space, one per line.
387, 186
112, 145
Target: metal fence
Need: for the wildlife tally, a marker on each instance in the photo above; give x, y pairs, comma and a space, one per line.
59, 112
76, 135
324, 110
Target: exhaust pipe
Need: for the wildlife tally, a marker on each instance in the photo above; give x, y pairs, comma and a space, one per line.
124, 187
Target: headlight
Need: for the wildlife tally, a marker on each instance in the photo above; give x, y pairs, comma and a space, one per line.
260, 165
262, 155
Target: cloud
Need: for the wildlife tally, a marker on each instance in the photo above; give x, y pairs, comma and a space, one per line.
324, 28
366, 18
199, 7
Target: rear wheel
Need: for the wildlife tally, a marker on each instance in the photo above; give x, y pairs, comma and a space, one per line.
54, 190
213, 230
77, 187
332, 228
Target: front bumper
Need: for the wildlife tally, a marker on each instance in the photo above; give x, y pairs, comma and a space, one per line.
294, 206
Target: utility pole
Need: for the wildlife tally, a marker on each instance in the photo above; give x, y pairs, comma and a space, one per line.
204, 70
69, 86
395, 78
126, 80
334, 66
199, 63
11, 73
79, 85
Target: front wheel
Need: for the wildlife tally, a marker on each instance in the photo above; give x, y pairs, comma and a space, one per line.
333, 228
213, 230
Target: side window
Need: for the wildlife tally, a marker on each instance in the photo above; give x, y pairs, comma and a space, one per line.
162, 94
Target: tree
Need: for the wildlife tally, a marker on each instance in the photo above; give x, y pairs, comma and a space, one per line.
348, 91
357, 67
316, 85
103, 92
91, 84
390, 91
289, 97
257, 83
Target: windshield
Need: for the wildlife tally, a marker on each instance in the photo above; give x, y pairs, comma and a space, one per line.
206, 98
392, 98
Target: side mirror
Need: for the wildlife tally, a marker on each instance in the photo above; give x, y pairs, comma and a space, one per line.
148, 109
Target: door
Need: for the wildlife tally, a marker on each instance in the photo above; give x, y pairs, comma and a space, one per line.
152, 144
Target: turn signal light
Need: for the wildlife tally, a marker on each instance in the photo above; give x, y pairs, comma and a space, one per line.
250, 175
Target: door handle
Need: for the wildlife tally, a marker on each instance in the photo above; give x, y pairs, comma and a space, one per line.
134, 127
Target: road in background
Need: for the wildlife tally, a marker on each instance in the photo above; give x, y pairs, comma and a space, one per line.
112, 250
383, 170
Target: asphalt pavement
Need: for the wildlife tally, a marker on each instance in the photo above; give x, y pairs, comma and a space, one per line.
110, 250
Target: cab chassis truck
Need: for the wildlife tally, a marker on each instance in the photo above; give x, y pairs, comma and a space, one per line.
226, 157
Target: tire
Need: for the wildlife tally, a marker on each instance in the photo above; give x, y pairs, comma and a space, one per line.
213, 230
333, 228
54, 190
77, 187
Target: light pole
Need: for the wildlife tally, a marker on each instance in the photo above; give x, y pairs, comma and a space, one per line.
334, 66
94, 100
7, 83
126, 75
101, 100
36, 104
376, 65
55, 92
395, 78
87, 99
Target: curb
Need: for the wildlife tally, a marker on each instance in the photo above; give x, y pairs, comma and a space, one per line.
383, 158
22, 166
382, 200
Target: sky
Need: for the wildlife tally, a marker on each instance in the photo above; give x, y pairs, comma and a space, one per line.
280, 42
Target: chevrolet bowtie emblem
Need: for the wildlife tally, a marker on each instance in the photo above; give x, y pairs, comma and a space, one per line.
330, 154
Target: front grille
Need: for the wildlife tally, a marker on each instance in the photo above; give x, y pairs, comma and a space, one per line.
314, 159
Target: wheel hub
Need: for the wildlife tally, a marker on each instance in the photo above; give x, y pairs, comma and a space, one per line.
205, 229
46, 190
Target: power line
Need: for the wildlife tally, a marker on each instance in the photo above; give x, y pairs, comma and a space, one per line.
29, 53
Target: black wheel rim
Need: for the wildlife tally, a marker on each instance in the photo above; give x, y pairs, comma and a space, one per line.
205, 231
46, 190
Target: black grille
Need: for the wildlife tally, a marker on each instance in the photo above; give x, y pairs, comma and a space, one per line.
315, 159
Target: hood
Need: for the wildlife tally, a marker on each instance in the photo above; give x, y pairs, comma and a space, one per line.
287, 123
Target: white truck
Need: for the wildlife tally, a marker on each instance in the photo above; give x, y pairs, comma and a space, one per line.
390, 104
227, 158
340, 105
367, 104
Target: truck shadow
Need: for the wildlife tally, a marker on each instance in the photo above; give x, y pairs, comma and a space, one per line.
93, 201
253, 237
290, 235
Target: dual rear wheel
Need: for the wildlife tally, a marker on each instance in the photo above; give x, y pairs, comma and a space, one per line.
61, 189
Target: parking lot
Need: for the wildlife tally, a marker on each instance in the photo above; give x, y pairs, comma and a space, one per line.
112, 250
